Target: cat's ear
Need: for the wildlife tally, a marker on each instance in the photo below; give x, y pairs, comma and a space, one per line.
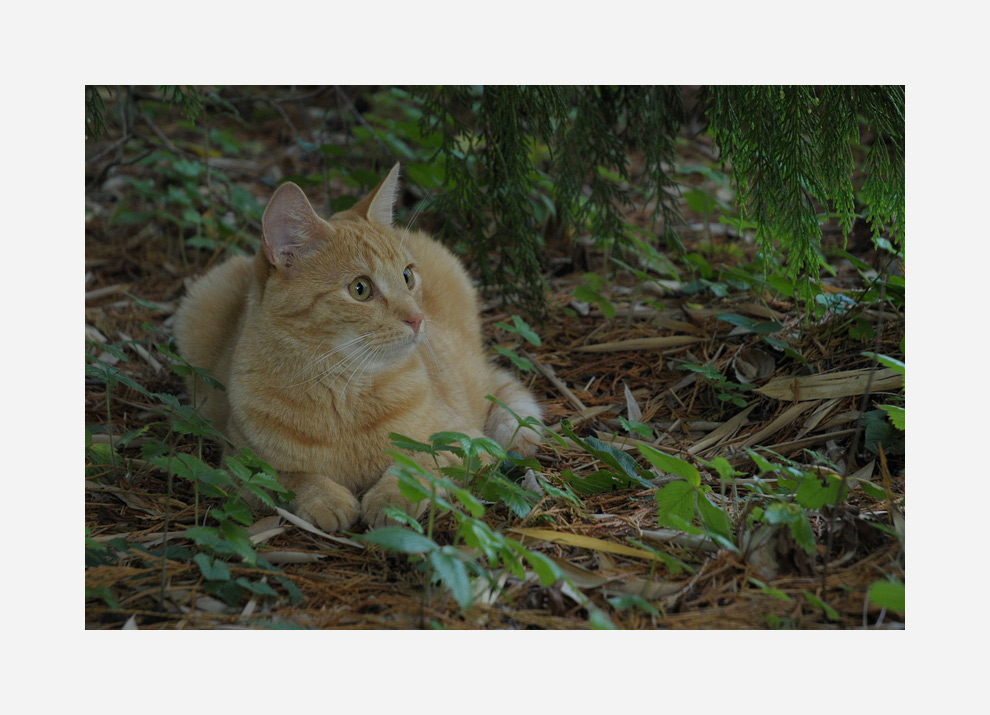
290, 227
377, 206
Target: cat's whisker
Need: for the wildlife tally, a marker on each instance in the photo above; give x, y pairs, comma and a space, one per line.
368, 361
322, 358
412, 219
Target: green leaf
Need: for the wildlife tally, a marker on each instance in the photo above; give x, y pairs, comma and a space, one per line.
408, 444
675, 500
797, 522
520, 362
213, 569
714, 519
759, 327
812, 494
624, 467
475, 507
671, 465
599, 620
524, 331
396, 538
896, 415
773, 592
449, 568
888, 594
543, 566
262, 589
238, 537
626, 602
886, 361
830, 612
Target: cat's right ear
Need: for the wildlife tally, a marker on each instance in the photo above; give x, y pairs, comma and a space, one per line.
290, 227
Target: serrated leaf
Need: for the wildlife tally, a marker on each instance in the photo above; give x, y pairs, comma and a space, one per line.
520, 362
675, 499
213, 569
408, 444
449, 568
812, 494
896, 415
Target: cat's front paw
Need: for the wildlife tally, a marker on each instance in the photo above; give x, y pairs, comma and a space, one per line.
330, 510
384, 494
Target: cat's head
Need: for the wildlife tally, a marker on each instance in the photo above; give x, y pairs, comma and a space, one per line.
345, 286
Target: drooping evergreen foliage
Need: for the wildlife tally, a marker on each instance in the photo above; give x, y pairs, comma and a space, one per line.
515, 159
791, 154
790, 150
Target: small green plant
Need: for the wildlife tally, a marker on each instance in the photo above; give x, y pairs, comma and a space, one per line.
451, 490
726, 390
521, 329
591, 291
220, 534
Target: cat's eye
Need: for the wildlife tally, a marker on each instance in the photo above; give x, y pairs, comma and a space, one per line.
408, 275
360, 289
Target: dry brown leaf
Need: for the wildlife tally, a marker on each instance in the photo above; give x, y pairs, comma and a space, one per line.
752, 364
584, 542
672, 341
632, 409
827, 386
724, 432
780, 422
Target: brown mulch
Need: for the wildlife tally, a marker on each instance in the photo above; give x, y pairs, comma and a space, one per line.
352, 587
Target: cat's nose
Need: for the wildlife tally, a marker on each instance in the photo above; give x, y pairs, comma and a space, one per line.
415, 321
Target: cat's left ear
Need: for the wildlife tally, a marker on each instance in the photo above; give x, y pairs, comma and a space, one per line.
377, 206
290, 228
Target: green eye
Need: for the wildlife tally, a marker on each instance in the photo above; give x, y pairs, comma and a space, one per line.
360, 289
408, 275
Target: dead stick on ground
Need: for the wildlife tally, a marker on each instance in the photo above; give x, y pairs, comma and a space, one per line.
549, 374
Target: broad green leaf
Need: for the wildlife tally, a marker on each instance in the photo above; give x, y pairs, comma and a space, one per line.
238, 537
670, 464
449, 568
213, 569
675, 499
475, 507
896, 415
396, 538
714, 519
888, 594
543, 567
812, 494
723, 467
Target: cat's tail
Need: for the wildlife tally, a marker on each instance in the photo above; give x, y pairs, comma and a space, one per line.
208, 321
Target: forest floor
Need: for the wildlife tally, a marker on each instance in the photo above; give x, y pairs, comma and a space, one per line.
589, 370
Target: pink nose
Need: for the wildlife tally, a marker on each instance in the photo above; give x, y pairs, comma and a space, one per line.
415, 321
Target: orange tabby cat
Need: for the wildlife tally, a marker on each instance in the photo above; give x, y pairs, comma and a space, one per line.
337, 333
